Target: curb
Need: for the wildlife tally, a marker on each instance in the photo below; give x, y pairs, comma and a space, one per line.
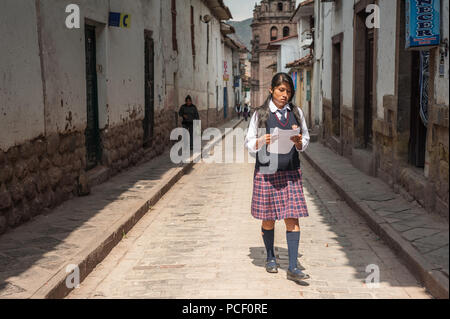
434, 281
102, 244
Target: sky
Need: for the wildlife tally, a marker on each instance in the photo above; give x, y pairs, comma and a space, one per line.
242, 9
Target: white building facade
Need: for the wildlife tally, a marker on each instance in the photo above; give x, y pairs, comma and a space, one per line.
80, 104
373, 107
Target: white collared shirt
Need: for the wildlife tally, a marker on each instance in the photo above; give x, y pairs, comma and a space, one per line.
252, 135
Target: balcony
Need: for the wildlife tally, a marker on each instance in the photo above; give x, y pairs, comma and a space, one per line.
306, 39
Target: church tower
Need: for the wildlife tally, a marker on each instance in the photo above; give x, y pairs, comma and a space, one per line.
271, 21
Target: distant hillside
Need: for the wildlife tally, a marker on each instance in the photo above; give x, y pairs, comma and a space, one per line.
243, 31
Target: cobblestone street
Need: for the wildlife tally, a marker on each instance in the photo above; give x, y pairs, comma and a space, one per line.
200, 241
127, 139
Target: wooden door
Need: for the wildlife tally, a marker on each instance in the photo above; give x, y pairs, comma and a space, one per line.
336, 89
369, 94
225, 102
149, 121
92, 133
418, 131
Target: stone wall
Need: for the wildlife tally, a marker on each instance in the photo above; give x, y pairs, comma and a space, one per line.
328, 137
39, 175
122, 146
347, 131
438, 149
431, 191
327, 126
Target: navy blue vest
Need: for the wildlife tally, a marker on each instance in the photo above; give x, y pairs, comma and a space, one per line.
286, 162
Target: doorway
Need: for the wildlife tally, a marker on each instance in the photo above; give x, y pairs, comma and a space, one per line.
225, 102
418, 131
308, 97
336, 85
368, 90
410, 127
364, 66
149, 118
92, 133
175, 100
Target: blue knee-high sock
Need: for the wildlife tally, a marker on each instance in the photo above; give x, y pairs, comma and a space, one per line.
293, 239
268, 237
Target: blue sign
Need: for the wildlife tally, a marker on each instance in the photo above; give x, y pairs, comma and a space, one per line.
120, 20
422, 23
114, 19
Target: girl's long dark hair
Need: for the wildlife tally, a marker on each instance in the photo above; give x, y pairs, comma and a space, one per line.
263, 110
279, 79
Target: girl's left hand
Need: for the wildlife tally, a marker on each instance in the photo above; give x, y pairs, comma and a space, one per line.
297, 141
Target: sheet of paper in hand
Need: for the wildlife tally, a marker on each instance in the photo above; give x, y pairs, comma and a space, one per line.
282, 143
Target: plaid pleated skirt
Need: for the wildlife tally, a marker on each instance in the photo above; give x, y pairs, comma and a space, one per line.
278, 196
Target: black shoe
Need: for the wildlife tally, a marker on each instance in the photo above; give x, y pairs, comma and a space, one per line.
297, 275
271, 266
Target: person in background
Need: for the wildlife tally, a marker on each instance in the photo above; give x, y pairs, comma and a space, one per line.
238, 110
189, 113
246, 112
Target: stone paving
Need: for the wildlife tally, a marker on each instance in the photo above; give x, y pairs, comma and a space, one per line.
200, 241
32, 254
427, 233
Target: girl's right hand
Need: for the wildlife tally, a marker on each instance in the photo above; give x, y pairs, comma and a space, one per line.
266, 139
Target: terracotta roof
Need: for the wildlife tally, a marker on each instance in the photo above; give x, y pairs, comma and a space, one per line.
219, 9
225, 28
301, 5
305, 60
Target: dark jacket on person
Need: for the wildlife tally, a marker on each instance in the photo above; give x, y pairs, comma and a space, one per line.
191, 112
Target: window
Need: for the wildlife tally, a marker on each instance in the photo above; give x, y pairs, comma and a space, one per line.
174, 26
273, 33
280, 6
285, 32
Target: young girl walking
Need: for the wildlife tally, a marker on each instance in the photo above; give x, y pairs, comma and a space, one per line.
278, 194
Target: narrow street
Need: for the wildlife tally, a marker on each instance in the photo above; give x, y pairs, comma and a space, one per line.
99, 200
200, 241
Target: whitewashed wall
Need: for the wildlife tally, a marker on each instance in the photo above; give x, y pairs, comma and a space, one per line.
120, 57
195, 81
64, 64
21, 100
327, 50
346, 26
228, 57
386, 53
288, 52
